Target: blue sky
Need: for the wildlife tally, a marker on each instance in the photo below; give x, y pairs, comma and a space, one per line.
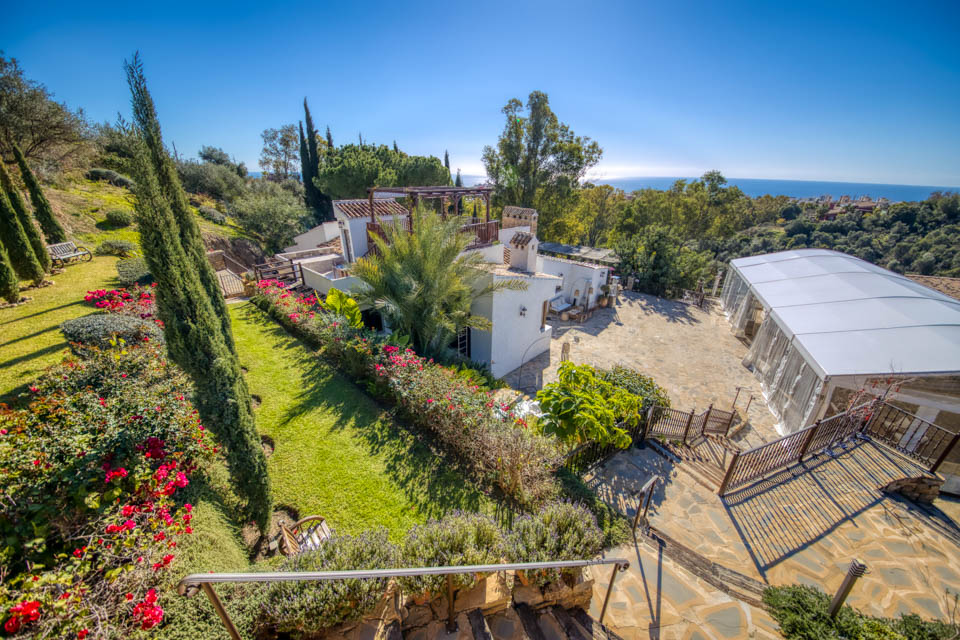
844, 91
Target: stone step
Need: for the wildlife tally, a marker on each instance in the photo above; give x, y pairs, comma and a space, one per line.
570, 626
530, 621
478, 624
592, 628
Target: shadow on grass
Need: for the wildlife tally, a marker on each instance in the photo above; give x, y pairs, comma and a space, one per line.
33, 354
30, 335
429, 482
40, 313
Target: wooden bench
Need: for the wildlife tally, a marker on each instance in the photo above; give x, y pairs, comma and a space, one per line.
64, 252
297, 538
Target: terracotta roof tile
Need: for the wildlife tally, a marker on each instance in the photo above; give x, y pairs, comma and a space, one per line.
361, 208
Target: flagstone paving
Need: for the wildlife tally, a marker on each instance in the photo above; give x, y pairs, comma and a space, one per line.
689, 351
800, 526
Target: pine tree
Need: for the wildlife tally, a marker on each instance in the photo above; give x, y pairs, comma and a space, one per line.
194, 334
52, 230
145, 118
18, 247
9, 282
26, 220
329, 139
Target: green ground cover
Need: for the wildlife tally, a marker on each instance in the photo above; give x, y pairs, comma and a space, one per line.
337, 453
30, 339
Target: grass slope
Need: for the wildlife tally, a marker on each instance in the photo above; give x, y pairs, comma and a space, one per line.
30, 339
338, 454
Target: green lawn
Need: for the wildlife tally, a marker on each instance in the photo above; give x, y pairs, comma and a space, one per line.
337, 453
30, 339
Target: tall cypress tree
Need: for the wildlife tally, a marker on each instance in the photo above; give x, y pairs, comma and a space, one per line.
52, 230
15, 240
26, 220
329, 139
9, 282
193, 332
319, 202
145, 118
304, 165
446, 163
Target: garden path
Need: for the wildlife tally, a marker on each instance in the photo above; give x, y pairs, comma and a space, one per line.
795, 527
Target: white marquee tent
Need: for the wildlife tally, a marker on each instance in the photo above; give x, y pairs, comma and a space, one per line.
826, 325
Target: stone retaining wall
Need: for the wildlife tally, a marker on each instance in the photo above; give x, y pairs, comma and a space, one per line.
921, 489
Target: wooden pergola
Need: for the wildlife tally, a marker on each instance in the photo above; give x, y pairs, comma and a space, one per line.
454, 194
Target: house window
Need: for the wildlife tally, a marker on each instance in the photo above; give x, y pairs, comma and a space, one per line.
463, 342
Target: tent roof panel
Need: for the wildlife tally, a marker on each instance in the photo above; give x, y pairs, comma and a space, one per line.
851, 317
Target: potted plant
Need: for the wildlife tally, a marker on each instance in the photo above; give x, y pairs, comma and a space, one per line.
604, 299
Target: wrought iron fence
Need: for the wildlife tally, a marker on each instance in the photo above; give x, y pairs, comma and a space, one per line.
915, 437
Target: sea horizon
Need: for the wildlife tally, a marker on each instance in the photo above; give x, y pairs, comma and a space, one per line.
755, 187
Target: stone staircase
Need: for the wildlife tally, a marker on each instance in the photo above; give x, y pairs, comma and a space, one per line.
705, 458
518, 622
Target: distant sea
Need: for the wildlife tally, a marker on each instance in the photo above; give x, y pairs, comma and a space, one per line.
795, 188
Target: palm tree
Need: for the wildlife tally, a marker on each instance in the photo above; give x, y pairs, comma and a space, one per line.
424, 284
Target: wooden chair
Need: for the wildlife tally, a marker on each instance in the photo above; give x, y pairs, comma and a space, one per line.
64, 252
297, 538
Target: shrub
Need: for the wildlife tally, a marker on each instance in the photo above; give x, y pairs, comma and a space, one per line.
458, 539
637, 384
99, 330
215, 180
119, 218
112, 177
121, 248
90, 470
558, 531
211, 214
583, 407
801, 611
309, 607
133, 271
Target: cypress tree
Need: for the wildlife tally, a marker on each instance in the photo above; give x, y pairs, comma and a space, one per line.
193, 332
319, 202
52, 230
9, 282
26, 220
446, 163
18, 247
145, 118
396, 149
304, 165
329, 139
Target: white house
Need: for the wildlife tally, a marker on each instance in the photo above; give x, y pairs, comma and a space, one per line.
319, 236
519, 318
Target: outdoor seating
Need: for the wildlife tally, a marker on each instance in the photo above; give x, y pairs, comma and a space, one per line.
64, 252
298, 538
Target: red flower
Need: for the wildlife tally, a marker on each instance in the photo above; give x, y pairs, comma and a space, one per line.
82, 634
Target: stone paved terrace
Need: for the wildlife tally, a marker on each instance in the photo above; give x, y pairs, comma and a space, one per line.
794, 527
690, 352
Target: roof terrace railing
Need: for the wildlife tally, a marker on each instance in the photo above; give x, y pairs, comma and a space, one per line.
195, 582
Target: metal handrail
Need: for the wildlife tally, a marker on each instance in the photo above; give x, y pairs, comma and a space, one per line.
189, 585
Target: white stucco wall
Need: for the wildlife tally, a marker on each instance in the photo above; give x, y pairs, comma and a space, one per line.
358, 235
514, 339
492, 253
318, 235
322, 284
506, 234
575, 277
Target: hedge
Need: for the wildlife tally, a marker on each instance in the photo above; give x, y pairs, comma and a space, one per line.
119, 218
105, 330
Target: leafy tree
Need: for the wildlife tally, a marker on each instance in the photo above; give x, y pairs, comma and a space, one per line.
317, 201
52, 230
349, 170
424, 284
537, 156
32, 119
660, 261
279, 156
217, 156
25, 219
219, 181
272, 213
9, 282
583, 407
15, 240
194, 334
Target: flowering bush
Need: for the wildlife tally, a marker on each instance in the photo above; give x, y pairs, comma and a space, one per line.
99, 330
309, 607
138, 301
558, 531
90, 472
458, 539
500, 449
